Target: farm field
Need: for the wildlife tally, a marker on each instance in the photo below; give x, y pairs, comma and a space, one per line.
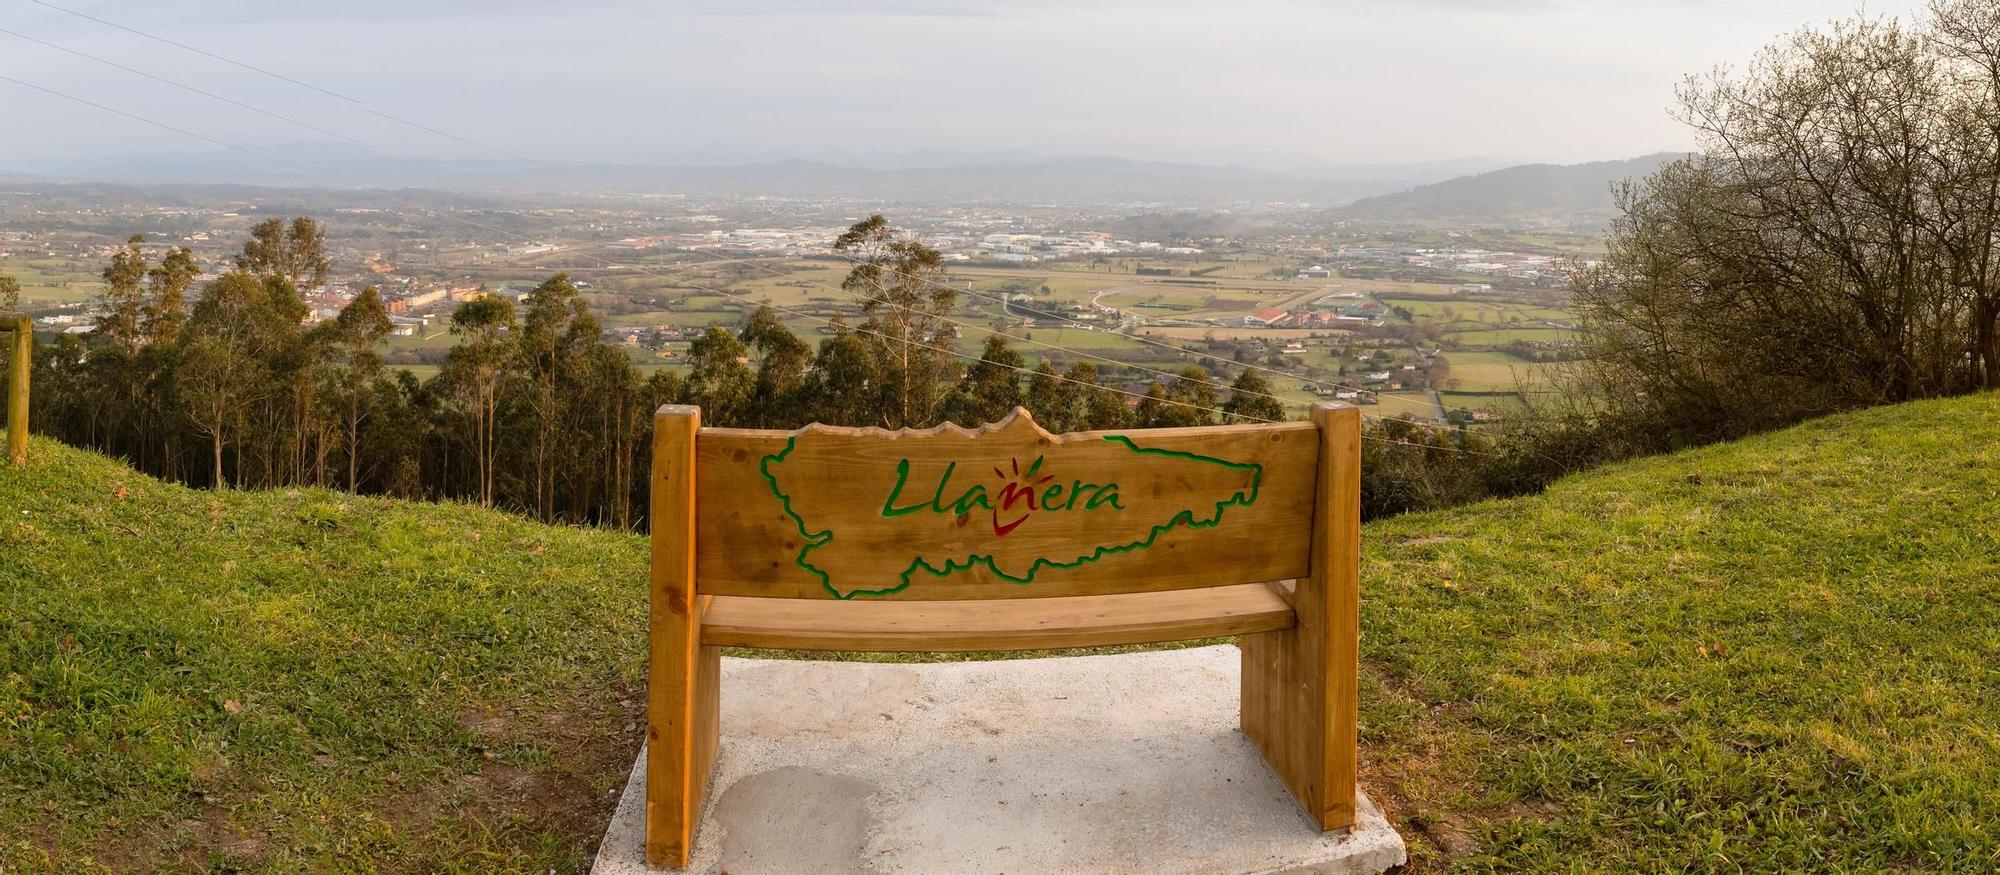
1491, 371
1490, 312
47, 281
1071, 338
1496, 336
808, 288
1394, 404
1506, 403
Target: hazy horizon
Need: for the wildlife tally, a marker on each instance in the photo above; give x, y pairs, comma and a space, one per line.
1275, 86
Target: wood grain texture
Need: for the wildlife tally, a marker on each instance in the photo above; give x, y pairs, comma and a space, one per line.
1300, 684
17, 390
929, 515
682, 675
1015, 624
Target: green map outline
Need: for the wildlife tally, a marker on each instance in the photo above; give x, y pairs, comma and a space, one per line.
816, 540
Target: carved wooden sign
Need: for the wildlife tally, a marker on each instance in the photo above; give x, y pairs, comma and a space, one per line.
867, 512
1097, 538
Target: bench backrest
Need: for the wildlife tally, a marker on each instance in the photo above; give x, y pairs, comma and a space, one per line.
1007, 510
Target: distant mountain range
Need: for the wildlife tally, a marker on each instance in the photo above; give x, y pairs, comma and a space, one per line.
1573, 195
990, 176
1569, 193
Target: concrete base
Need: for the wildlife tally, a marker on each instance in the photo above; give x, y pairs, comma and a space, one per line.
1127, 763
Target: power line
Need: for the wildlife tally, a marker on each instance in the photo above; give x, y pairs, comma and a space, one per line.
209, 94
446, 134
1024, 370
973, 292
723, 293
467, 141
1136, 337
1174, 347
281, 77
202, 52
158, 124
994, 331
1282, 401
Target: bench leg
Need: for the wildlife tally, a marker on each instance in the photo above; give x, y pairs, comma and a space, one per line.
1300, 684
683, 676
679, 765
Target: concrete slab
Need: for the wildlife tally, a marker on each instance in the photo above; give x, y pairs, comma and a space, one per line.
1115, 764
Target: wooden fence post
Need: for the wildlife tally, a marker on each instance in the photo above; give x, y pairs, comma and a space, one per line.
683, 676
17, 392
1300, 685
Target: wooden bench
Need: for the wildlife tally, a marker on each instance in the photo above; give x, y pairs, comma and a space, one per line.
1008, 538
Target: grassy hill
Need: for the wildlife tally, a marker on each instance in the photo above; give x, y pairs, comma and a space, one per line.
1778, 654
304, 679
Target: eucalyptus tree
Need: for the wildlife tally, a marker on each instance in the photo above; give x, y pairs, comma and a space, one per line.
357, 331
294, 250
474, 368
167, 285
843, 384
1097, 406
1188, 400
782, 362
990, 389
223, 370
1051, 399
1250, 400
124, 297
557, 329
901, 285
719, 379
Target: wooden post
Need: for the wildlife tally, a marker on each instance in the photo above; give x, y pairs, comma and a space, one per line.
1300, 685
17, 392
683, 676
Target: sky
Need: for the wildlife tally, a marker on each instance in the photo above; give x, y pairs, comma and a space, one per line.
1275, 85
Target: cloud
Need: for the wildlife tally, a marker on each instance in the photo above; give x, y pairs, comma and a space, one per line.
1268, 82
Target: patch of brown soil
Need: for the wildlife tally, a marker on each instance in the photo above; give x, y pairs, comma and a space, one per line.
1417, 787
594, 742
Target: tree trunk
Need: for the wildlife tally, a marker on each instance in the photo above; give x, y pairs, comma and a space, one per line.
354, 443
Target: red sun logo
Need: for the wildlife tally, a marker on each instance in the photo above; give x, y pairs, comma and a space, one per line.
1018, 489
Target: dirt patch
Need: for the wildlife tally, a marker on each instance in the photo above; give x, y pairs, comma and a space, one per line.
1412, 782
569, 799
515, 808
1425, 541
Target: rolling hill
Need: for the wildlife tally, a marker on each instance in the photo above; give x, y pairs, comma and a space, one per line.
1772, 655
1568, 196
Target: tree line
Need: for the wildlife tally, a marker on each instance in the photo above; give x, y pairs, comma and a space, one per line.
231, 385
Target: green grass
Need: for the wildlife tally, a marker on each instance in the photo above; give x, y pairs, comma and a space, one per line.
1084, 339
1492, 371
1493, 337
1781, 654
304, 680
1393, 404
47, 280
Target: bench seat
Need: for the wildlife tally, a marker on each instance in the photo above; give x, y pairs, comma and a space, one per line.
1001, 624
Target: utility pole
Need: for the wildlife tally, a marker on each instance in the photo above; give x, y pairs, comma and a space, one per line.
17, 392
